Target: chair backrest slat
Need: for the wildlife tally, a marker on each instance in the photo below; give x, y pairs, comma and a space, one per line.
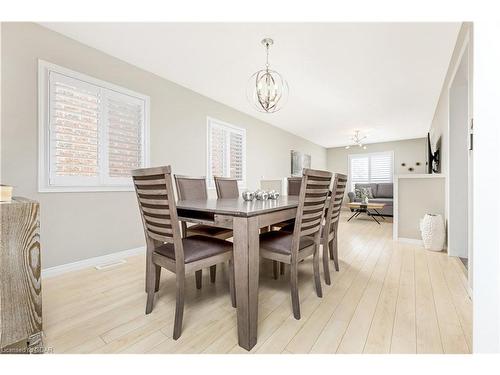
314, 189
153, 200
153, 187
294, 185
191, 188
141, 182
156, 211
159, 229
151, 191
226, 187
333, 212
308, 232
157, 219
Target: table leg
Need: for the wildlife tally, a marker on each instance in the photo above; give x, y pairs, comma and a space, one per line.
246, 268
373, 217
355, 214
379, 214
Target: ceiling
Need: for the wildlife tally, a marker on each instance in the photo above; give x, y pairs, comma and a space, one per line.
383, 79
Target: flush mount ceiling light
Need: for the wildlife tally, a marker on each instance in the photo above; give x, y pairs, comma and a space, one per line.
357, 141
267, 89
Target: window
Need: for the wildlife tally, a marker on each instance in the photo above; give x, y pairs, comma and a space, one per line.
91, 133
225, 151
370, 168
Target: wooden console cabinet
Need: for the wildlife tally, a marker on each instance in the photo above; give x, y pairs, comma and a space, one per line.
20, 276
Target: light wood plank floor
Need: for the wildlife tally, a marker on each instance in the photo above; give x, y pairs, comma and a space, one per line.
387, 298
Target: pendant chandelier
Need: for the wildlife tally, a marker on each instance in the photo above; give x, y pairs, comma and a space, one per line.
267, 89
357, 141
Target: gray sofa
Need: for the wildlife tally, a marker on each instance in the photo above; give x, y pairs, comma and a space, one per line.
382, 193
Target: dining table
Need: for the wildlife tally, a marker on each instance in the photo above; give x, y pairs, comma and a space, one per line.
245, 218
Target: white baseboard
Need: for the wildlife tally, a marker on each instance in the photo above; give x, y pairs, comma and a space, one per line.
412, 241
91, 262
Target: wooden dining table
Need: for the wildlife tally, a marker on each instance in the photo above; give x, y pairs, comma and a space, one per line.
245, 218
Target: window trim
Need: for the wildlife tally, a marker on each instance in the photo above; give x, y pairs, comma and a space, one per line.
210, 181
368, 155
44, 186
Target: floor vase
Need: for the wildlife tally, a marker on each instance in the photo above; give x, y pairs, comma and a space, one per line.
433, 234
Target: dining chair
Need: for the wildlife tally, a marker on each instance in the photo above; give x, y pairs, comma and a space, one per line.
293, 185
165, 246
195, 188
227, 187
291, 248
293, 189
329, 232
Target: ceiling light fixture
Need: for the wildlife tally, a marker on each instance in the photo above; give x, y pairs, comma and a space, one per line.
267, 89
357, 140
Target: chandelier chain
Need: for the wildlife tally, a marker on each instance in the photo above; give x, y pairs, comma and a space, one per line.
267, 56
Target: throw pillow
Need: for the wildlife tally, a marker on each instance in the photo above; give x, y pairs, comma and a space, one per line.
361, 193
357, 193
367, 192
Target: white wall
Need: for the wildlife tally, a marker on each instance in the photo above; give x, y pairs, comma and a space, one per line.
486, 217
458, 175
77, 226
440, 121
415, 198
439, 125
486, 298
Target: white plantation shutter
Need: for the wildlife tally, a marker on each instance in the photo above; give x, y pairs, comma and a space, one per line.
217, 149
226, 151
236, 155
125, 124
94, 133
370, 168
359, 170
75, 121
381, 167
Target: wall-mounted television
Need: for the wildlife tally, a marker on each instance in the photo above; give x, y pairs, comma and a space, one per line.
433, 160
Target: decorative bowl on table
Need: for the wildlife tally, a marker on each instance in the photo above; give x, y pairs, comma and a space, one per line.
273, 194
261, 195
248, 195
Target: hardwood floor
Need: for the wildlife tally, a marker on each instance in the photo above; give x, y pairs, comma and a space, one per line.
388, 297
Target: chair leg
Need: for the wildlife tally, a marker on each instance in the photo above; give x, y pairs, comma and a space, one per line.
326, 267
330, 249
335, 253
295, 290
179, 305
198, 274
157, 278
232, 290
150, 284
213, 272
282, 268
317, 278
149, 302
275, 270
